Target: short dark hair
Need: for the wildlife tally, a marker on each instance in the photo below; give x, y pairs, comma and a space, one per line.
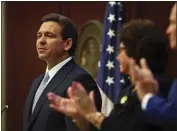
142, 39
69, 29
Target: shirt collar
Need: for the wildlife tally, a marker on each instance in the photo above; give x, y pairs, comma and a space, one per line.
57, 67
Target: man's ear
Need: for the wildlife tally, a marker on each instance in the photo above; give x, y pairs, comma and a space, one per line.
68, 43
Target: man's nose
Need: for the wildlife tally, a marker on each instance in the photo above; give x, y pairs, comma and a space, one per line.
42, 40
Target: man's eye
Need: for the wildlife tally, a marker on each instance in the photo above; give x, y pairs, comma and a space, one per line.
50, 35
38, 36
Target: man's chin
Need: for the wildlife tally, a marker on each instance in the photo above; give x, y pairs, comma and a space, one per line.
42, 57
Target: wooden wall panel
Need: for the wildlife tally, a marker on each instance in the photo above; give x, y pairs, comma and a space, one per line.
156, 11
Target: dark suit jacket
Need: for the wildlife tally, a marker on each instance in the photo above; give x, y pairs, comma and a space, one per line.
46, 119
130, 117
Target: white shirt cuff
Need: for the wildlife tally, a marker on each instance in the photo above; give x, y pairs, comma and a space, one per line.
145, 100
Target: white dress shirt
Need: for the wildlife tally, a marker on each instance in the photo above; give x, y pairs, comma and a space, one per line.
145, 100
49, 74
57, 67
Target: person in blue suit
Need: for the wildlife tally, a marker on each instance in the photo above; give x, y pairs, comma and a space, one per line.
157, 108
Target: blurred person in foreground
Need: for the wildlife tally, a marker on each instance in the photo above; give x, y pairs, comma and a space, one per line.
139, 38
157, 108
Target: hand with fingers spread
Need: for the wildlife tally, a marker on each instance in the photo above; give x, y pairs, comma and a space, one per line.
85, 104
63, 105
70, 107
79, 106
84, 101
79, 101
143, 79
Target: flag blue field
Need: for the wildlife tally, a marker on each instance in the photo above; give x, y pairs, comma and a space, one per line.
109, 72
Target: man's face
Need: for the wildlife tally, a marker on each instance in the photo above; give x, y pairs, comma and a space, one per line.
123, 59
49, 44
171, 30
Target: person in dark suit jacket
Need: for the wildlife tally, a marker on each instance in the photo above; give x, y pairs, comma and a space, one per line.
139, 38
56, 44
157, 108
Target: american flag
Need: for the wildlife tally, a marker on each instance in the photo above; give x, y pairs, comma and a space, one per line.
109, 72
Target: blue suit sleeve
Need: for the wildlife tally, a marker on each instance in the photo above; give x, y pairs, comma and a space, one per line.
164, 110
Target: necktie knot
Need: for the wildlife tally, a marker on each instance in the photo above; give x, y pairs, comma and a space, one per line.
46, 77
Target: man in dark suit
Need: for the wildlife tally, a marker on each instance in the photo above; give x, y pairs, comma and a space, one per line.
56, 44
157, 108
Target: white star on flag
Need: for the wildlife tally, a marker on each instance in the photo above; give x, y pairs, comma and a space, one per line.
110, 49
110, 33
111, 18
109, 80
112, 3
110, 64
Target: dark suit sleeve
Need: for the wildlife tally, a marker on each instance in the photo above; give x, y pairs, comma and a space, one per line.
112, 121
70, 125
90, 85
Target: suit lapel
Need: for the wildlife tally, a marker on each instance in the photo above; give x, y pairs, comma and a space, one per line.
30, 98
29, 101
52, 85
